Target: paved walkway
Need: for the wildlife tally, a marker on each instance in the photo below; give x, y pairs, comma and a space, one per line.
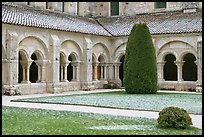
196, 119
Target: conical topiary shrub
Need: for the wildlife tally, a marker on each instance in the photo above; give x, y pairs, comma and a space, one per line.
140, 73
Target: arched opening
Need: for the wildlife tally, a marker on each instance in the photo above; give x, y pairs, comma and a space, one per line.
20, 69
70, 69
189, 68
33, 69
170, 68
121, 69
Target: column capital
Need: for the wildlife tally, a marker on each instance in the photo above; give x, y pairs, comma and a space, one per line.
25, 62
95, 63
102, 64
75, 63
4, 60
179, 63
161, 63
117, 63
65, 63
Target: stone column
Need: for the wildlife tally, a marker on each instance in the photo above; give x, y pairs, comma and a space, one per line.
111, 73
64, 65
52, 70
102, 72
76, 71
116, 65
12, 86
41, 70
179, 65
26, 71
95, 70
199, 67
160, 70
38, 63
62, 73
4, 64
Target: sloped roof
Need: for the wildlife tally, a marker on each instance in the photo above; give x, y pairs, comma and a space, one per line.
158, 23
26, 16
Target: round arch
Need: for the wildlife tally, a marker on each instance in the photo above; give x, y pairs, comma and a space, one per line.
70, 46
32, 44
101, 49
119, 51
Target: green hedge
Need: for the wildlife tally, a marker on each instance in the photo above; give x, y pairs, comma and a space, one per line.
140, 73
174, 117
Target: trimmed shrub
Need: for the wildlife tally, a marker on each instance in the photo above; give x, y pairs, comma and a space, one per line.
174, 117
140, 69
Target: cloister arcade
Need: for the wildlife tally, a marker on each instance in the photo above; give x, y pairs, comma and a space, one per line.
67, 64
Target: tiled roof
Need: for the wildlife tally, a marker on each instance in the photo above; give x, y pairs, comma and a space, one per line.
160, 23
26, 16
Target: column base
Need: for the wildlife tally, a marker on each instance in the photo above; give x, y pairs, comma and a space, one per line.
11, 90
199, 89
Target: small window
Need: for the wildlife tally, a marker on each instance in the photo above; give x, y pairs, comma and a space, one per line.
114, 8
160, 5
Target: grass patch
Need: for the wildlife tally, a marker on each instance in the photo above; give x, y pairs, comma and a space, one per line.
29, 121
192, 103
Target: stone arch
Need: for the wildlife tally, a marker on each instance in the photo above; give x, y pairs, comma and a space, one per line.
70, 46
182, 55
102, 58
120, 51
176, 47
73, 69
32, 44
101, 49
73, 57
169, 40
37, 67
63, 57
23, 58
163, 54
94, 59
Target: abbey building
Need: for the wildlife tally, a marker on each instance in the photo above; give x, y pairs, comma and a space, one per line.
61, 46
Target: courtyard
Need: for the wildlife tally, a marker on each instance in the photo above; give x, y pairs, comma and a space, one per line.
96, 113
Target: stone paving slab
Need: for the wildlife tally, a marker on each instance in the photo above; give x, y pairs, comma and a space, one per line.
196, 119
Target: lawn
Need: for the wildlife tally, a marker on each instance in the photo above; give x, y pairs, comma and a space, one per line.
29, 121
191, 102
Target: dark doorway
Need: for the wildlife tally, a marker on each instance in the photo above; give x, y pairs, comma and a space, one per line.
33, 69
20, 69
121, 71
189, 68
170, 68
69, 70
